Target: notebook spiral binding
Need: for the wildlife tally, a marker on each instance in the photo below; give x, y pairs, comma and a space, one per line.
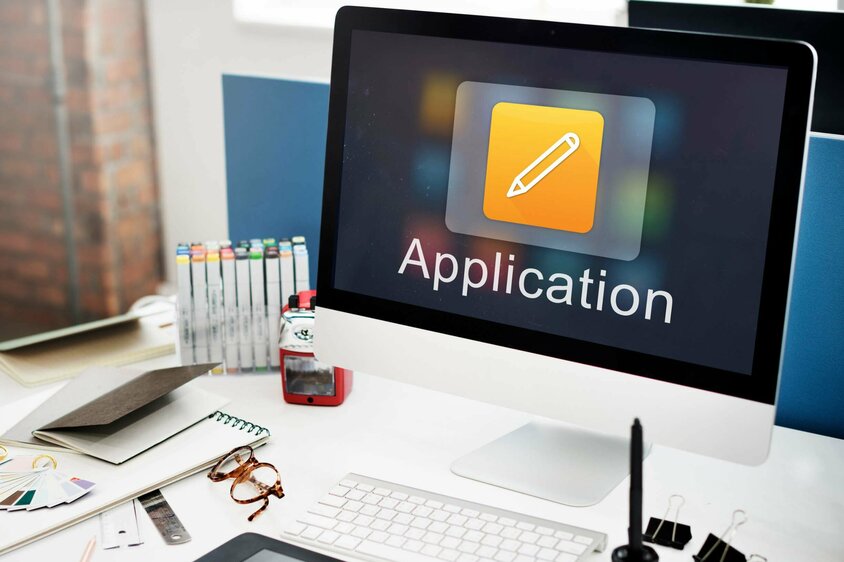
238, 423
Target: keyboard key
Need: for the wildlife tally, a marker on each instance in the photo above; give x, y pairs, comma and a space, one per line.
348, 483
491, 540
352, 506
492, 528
488, 517
528, 549
563, 535
455, 531
361, 532
528, 538
451, 508
504, 556
474, 524
386, 514
571, 547
420, 523
344, 528
340, 491
365, 487
449, 555
333, 501
468, 546
355, 495
364, 520
486, 551
431, 550
396, 529
471, 513
546, 542
295, 528
311, 533
318, 521
324, 510
583, 540
328, 537
347, 542
393, 540
417, 500
434, 504
439, 515
413, 545
415, 534
384, 551
371, 499
506, 521
346, 516
388, 503
379, 525
565, 557
400, 496
465, 557
457, 519
378, 536
405, 507
438, 527
432, 538
403, 518
473, 536
422, 511
510, 533
450, 542
510, 545
369, 510
547, 554
381, 491
525, 526
544, 531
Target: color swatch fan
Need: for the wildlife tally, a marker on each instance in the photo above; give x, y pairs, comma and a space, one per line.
31, 482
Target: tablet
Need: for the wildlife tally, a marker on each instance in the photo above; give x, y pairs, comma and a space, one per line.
252, 547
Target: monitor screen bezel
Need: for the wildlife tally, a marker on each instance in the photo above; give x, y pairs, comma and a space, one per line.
796, 57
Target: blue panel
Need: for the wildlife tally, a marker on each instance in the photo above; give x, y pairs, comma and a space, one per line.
812, 384
275, 157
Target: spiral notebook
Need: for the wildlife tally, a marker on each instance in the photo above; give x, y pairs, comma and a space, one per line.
188, 452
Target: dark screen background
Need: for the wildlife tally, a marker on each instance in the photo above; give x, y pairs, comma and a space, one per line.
707, 213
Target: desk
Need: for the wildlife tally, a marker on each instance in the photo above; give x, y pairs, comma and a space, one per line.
400, 433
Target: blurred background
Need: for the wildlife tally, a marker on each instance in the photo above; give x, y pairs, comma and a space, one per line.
112, 138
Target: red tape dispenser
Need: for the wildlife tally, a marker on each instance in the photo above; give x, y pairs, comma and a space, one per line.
305, 380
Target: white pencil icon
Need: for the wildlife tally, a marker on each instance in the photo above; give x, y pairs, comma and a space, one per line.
570, 141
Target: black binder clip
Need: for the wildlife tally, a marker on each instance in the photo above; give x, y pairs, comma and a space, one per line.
718, 549
676, 535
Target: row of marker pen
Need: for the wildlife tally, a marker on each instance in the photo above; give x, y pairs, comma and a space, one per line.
230, 299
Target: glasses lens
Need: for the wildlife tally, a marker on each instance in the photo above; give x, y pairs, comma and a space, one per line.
234, 460
255, 484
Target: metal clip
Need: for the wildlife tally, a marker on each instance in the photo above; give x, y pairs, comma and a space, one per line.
680, 534
729, 554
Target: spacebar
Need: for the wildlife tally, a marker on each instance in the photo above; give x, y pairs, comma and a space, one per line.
379, 550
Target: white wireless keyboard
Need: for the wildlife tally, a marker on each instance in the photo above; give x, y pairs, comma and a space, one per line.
371, 519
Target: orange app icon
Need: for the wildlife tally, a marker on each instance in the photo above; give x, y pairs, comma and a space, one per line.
542, 166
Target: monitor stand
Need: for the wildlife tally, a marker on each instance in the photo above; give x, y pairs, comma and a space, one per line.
553, 461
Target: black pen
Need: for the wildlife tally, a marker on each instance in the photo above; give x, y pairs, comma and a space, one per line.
634, 551
634, 531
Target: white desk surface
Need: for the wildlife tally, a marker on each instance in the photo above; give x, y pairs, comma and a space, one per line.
404, 434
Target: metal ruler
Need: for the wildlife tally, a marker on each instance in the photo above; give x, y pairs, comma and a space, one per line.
171, 529
119, 526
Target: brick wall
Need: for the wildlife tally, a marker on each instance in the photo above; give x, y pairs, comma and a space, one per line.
114, 200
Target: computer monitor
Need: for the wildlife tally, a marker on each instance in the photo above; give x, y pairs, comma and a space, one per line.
823, 30
584, 223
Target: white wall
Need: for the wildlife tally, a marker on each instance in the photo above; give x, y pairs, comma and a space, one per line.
191, 44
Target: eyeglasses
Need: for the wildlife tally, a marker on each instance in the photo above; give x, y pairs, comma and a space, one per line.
253, 481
